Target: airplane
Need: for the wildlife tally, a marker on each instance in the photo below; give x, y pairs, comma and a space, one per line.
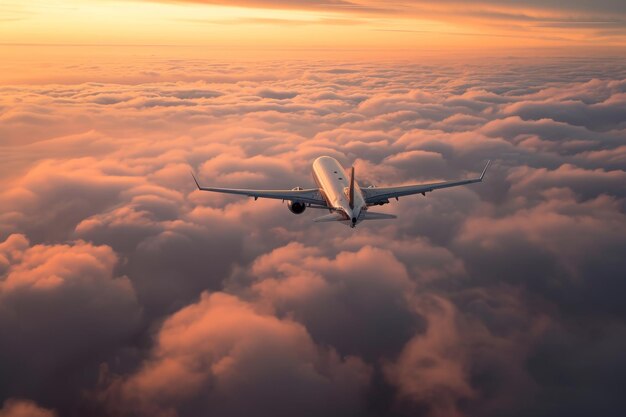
341, 195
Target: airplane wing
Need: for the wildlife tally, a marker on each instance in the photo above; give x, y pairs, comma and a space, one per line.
311, 196
381, 195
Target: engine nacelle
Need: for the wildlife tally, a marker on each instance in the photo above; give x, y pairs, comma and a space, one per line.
296, 207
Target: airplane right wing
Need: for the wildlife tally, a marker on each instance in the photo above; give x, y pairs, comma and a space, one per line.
381, 195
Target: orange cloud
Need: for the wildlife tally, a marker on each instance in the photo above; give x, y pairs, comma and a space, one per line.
114, 261
431, 367
23, 408
222, 344
65, 297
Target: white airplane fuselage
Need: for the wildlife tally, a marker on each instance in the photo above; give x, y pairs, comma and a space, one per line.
334, 185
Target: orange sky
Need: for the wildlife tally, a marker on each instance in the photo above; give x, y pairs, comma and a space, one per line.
259, 24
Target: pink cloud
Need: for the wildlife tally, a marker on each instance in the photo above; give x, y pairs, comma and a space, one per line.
107, 245
222, 349
65, 297
24, 408
432, 368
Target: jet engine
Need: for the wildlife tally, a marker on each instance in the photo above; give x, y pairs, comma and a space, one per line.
296, 207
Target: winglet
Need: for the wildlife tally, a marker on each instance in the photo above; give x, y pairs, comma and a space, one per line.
195, 180
485, 170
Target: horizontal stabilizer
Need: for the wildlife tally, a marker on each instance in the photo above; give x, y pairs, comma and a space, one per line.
370, 215
332, 217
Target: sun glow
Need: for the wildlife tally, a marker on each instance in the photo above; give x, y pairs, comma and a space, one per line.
112, 22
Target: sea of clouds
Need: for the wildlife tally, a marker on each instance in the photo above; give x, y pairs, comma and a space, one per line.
124, 291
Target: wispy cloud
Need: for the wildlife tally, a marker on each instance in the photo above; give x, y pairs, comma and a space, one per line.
575, 20
277, 21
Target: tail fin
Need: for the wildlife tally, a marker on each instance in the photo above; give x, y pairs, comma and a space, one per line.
351, 190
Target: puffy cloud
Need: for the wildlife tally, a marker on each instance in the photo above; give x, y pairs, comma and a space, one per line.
23, 408
61, 308
587, 183
348, 302
220, 350
111, 257
431, 367
554, 245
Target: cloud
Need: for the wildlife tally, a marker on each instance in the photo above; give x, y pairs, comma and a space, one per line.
267, 93
431, 367
507, 8
546, 240
221, 350
66, 298
535, 21
23, 408
335, 5
342, 301
475, 301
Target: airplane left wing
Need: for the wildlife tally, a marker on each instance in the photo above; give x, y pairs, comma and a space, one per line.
311, 196
382, 195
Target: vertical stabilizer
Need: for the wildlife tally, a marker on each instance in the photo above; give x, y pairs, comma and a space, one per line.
351, 190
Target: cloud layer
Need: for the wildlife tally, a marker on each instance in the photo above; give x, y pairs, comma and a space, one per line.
152, 298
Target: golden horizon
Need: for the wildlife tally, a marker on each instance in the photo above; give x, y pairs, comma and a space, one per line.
258, 24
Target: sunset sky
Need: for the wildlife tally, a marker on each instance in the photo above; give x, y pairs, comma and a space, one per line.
367, 24
126, 292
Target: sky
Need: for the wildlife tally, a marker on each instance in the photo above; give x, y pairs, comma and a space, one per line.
358, 24
125, 291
